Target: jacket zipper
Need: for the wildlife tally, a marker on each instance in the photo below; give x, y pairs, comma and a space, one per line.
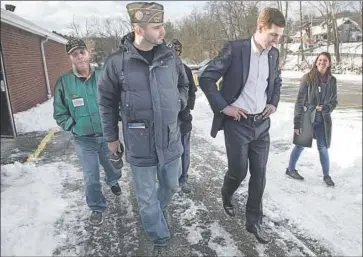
89, 112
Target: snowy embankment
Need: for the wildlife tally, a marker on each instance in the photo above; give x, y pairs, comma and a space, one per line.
331, 215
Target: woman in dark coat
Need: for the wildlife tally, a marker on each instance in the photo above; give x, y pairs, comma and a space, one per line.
316, 100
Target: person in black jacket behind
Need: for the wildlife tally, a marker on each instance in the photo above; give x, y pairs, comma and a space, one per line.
186, 120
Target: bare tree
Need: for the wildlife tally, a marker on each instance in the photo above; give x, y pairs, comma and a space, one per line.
80, 31
356, 6
84, 32
333, 6
360, 8
204, 31
112, 28
171, 31
301, 34
284, 38
237, 18
328, 10
102, 36
75, 28
201, 34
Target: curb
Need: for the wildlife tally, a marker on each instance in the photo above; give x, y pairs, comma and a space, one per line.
42, 145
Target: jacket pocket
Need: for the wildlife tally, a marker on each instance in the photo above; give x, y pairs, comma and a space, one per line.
81, 111
138, 142
83, 126
173, 134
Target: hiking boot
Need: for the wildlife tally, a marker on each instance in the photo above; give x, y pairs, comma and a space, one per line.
116, 189
159, 250
185, 187
96, 218
329, 181
294, 174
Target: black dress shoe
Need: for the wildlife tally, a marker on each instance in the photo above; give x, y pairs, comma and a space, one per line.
260, 234
116, 189
228, 206
230, 209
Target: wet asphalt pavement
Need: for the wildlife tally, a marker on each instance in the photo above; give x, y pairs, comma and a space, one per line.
199, 226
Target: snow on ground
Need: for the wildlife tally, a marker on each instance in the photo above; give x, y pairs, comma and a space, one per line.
332, 215
340, 77
194, 228
345, 48
42, 211
38, 118
31, 202
348, 65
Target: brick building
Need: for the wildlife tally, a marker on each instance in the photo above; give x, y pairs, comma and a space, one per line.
32, 58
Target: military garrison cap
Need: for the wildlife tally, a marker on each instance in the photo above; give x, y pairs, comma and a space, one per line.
144, 12
175, 43
73, 44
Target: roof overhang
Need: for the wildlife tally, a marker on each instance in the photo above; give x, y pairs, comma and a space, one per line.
19, 22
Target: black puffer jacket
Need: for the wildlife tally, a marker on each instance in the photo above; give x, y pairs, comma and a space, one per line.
185, 116
149, 98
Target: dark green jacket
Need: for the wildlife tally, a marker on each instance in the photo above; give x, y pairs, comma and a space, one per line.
75, 104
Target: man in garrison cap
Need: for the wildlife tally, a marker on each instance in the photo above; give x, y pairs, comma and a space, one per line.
141, 12
145, 83
76, 111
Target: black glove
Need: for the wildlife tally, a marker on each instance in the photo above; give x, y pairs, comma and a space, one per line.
185, 115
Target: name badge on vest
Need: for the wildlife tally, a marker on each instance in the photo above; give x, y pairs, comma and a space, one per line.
78, 102
136, 125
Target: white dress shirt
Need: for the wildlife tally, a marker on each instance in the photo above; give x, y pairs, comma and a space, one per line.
253, 97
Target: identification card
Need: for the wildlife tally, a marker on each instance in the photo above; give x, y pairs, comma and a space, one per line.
77, 102
135, 125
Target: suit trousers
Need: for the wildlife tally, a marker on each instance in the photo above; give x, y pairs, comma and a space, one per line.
247, 144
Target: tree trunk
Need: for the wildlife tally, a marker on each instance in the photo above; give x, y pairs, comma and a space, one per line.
301, 37
335, 33
328, 27
282, 44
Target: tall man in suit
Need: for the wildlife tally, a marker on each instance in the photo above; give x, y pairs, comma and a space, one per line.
249, 94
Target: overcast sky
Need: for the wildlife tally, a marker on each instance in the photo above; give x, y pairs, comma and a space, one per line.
56, 15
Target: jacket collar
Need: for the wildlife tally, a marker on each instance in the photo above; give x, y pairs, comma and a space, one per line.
160, 51
75, 72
